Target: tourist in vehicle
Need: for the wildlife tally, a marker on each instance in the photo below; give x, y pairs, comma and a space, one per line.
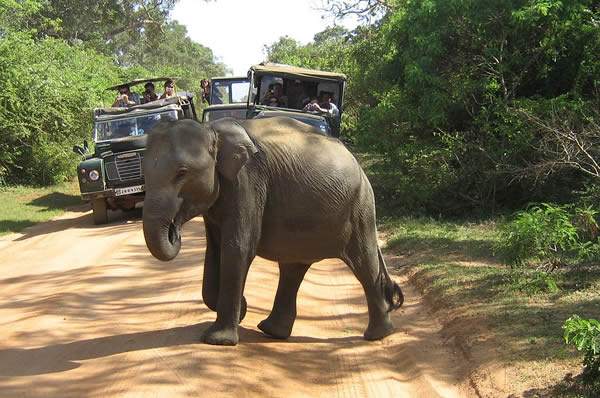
327, 105
312, 105
169, 89
265, 98
150, 93
273, 101
126, 98
274, 90
322, 104
205, 84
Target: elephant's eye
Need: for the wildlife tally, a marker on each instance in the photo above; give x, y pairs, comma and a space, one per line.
181, 172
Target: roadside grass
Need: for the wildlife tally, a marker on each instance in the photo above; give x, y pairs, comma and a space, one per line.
493, 312
24, 206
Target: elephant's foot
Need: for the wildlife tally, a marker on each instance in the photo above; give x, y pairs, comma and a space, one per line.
276, 328
219, 336
378, 330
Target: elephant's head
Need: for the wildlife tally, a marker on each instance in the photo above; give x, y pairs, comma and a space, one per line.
182, 166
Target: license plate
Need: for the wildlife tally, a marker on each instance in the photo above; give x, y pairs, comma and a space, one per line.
129, 190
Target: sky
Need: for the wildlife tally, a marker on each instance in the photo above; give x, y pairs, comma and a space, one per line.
237, 30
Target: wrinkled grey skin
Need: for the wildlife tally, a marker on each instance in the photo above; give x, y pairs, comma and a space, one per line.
271, 187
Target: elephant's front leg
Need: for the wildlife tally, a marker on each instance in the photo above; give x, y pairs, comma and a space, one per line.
233, 270
212, 264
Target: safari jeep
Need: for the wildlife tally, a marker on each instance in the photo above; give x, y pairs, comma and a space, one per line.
228, 98
111, 177
298, 87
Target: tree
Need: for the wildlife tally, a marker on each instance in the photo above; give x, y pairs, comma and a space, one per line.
58, 57
47, 91
365, 10
175, 54
564, 142
327, 51
453, 72
112, 25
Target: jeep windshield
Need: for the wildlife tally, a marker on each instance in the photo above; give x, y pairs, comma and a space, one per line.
130, 126
229, 90
236, 111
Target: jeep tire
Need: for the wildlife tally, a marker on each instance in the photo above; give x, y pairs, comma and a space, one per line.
100, 211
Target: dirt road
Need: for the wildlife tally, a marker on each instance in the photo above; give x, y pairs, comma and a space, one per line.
85, 311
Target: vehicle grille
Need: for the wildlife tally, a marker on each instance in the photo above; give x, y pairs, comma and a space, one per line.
124, 167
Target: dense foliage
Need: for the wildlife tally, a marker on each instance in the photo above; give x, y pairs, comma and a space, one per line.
47, 91
56, 59
466, 102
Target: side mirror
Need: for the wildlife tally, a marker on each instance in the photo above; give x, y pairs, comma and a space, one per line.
78, 150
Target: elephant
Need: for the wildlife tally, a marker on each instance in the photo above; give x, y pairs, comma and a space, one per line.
274, 187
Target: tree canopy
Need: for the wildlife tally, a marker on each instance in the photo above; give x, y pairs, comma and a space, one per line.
57, 57
458, 96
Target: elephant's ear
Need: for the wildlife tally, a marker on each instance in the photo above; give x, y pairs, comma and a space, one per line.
234, 147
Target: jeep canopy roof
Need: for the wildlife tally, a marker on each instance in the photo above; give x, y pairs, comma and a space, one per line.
150, 105
140, 81
270, 68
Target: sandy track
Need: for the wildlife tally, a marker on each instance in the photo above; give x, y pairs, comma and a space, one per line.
85, 311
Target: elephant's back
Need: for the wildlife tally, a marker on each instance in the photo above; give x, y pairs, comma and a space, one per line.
285, 130
291, 143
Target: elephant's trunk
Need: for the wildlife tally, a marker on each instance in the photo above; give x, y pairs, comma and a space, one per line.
162, 235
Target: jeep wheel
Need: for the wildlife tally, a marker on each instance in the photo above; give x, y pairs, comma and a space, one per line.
100, 211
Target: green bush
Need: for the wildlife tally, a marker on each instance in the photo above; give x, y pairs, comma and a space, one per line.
585, 334
47, 91
550, 235
543, 232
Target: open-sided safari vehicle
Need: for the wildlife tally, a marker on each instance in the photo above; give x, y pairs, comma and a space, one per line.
111, 176
297, 87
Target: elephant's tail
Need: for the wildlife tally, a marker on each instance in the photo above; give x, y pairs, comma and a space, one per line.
391, 290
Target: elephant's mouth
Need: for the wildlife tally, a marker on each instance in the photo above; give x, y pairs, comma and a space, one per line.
174, 233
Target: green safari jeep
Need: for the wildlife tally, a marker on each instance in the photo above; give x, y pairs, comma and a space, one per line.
111, 177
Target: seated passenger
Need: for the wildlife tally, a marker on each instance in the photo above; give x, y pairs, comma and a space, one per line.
326, 102
126, 98
312, 105
276, 90
322, 104
169, 89
273, 101
150, 94
265, 98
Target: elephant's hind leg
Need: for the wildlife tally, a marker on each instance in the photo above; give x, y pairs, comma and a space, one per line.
281, 320
364, 262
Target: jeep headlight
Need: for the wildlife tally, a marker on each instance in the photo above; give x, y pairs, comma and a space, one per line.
94, 175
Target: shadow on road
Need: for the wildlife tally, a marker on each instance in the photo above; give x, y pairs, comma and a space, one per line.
25, 362
59, 200
83, 219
